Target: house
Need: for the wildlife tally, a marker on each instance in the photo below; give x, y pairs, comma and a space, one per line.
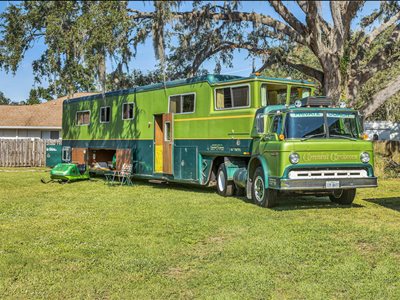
41, 121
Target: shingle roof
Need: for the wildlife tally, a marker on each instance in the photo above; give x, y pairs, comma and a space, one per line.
47, 114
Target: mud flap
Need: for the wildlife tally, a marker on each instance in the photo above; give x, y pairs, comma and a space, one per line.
248, 189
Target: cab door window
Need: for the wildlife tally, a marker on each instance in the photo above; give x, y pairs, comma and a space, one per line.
276, 126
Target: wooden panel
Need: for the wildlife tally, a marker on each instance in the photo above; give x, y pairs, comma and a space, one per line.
158, 144
124, 156
167, 148
78, 155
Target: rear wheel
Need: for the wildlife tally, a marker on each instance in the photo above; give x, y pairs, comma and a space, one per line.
225, 187
261, 195
344, 197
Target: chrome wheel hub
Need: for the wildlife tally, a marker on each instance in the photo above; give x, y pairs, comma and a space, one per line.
259, 188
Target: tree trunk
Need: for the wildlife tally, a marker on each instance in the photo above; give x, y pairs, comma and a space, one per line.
332, 83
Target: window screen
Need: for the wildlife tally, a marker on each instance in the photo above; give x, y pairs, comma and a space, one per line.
232, 97
179, 104
127, 111
105, 113
83, 118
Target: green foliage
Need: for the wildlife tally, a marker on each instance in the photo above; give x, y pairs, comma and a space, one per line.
79, 37
3, 99
151, 241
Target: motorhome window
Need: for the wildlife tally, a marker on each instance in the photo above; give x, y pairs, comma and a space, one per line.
264, 95
298, 93
232, 97
128, 111
167, 131
82, 118
273, 94
260, 123
66, 154
179, 104
105, 113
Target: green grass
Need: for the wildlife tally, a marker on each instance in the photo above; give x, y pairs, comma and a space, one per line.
88, 240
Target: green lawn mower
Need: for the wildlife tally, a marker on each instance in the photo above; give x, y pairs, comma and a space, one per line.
65, 173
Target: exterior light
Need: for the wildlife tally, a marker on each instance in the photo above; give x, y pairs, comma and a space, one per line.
297, 103
294, 158
342, 104
281, 137
364, 157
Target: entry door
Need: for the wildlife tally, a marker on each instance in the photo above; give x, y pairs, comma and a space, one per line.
163, 140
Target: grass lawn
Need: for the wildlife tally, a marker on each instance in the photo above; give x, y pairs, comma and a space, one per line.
88, 240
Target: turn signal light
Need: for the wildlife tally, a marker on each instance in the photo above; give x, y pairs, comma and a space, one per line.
281, 137
364, 136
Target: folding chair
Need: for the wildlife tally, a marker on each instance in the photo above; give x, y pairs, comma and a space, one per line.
123, 176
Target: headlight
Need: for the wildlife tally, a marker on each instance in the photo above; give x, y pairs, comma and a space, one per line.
294, 158
364, 157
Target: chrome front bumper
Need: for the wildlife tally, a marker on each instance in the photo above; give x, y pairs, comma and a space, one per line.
321, 184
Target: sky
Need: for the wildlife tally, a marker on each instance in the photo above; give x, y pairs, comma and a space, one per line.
17, 86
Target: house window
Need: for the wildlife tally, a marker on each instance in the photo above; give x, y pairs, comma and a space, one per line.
127, 111
54, 135
181, 104
105, 113
82, 117
232, 97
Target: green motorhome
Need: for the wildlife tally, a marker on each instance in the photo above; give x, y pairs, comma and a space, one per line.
254, 135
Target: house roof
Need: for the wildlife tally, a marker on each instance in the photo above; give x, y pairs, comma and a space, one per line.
46, 115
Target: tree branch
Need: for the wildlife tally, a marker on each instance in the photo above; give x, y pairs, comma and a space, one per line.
282, 10
382, 96
307, 70
233, 16
381, 60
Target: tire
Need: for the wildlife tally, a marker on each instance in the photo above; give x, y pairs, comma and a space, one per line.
225, 187
346, 197
262, 196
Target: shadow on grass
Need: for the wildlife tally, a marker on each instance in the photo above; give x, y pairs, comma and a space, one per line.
309, 202
284, 202
390, 202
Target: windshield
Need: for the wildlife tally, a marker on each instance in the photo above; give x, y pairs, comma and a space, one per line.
314, 124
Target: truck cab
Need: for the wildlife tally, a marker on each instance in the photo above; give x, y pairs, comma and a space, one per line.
312, 147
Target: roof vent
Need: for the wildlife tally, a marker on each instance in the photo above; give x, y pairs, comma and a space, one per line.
316, 101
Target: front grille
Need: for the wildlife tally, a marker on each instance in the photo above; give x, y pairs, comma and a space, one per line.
313, 174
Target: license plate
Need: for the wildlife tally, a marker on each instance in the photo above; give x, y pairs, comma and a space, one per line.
332, 184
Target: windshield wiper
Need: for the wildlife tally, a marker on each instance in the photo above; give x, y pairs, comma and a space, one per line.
343, 137
307, 137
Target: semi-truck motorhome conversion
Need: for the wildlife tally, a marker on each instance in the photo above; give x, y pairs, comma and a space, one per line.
254, 135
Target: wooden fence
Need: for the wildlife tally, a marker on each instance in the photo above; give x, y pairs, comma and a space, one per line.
24, 152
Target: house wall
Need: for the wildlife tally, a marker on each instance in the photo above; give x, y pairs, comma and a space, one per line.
27, 133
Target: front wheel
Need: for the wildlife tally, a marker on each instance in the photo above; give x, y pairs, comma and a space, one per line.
344, 197
225, 187
261, 195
